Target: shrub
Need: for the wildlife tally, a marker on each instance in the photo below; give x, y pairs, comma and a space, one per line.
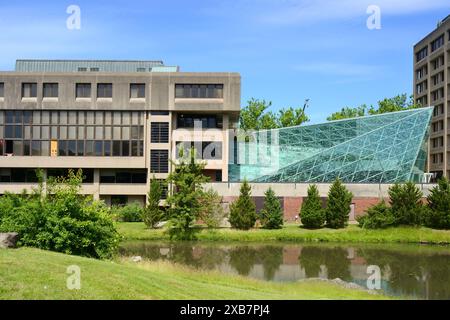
378, 216
438, 215
131, 212
338, 205
271, 216
152, 213
59, 219
243, 210
312, 214
406, 204
212, 212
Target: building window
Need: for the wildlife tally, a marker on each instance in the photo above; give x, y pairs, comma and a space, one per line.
199, 91
137, 90
421, 54
159, 161
436, 44
82, 69
160, 132
207, 150
159, 113
104, 90
2, 90
83, 90
200, 121
29, 90
95, 69
50, 90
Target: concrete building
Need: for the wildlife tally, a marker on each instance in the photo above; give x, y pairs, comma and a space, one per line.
119, 121
432, 87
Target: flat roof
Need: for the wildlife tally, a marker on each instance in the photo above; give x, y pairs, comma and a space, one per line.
122, 66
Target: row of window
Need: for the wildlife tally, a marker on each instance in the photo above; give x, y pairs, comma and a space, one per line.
437, 158
422, 54
437, 94
159, 161
73, 117
436, 44
438, 110
200, 121
159, 132
97, 148
437, 142
437, 126
420, 73
438, 78
123, 176
207, 150
105, 90
438, 62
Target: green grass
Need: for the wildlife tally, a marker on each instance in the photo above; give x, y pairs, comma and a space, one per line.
28, 273
138, 231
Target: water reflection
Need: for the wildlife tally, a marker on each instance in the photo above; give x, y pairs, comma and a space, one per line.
416, 271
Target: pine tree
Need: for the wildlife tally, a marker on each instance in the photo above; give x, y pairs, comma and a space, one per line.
439, 206
243, 210
312, 214
406, 204
271, 216
184, 201
152, 214
338, 205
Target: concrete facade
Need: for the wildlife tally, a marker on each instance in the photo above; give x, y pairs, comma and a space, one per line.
432, 87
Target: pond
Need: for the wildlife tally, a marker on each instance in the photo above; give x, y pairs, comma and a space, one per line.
414, 271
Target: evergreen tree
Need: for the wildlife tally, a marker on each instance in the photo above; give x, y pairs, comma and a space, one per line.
271, 216
152, 214
312, 214
439, 206
338, 205
184, 201
243, 210
406, 204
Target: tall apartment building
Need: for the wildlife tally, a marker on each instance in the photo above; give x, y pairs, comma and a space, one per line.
432, 87
119, 121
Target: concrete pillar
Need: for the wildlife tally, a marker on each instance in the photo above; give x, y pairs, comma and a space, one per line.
96, 184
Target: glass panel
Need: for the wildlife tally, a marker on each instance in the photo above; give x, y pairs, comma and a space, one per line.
99, 148
89, 132
45, 148
72, 134
27, 117
36, 132
89, 148
125, 148
89, 117
45, 117
134, 132
116, 118
72, 117
108, 135
125, 133
35, 148
36, 117
81, 117
45, 132
107, 148
116, 148
63, 132
26, 148
80, 132
134, 148
54, 133
71, 147
126, 118
116, 133
80, 148
55, 119
18, 148
141, 132
26, 133
107, 117
135, 118
99, 117
99, 133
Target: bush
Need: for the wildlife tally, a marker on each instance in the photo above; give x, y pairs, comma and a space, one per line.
152, 213
406, 204
59, 219
338, 205
312, 214
378, 216
271, 216
131, 212
243, 210
212, 212
438, 215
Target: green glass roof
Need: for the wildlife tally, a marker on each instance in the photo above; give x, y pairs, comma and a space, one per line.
384, 148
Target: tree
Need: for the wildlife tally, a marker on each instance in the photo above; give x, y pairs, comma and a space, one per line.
291, 117
439, 206
184, 201
398, 103
255, 116
348, 112
378, 216
312, 214
211, 210
271, 216
152, 213
406, 203
338, 205
243, 210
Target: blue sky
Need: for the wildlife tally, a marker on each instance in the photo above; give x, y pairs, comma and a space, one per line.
285, 50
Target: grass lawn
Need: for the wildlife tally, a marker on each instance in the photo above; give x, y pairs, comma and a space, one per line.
28, 273
291, 232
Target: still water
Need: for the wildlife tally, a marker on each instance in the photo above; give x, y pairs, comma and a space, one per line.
415, 271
